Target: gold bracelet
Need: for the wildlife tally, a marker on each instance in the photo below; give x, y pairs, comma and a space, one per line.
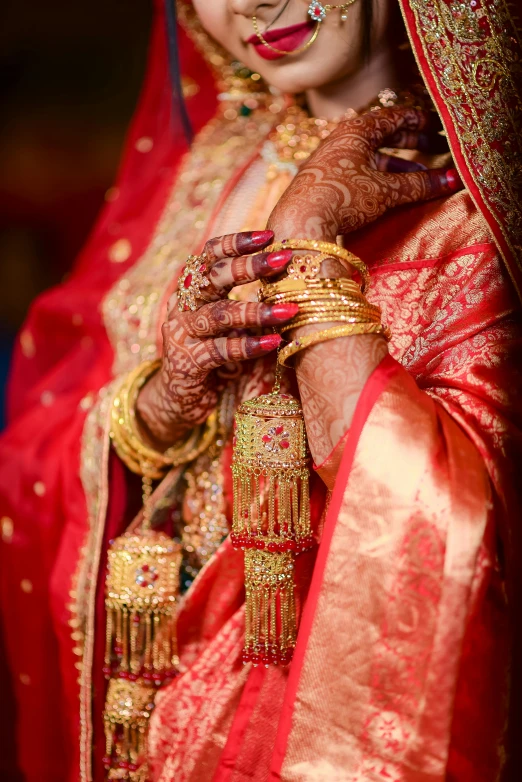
313, 320
327, 306
289, 286
344, 316
320, 295
317, 337
128, 444
326, 248
173, 456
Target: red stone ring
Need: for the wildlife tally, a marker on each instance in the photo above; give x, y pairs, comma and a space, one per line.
191, 280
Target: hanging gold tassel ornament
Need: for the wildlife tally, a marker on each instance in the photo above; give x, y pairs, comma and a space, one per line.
142, 588
271, 519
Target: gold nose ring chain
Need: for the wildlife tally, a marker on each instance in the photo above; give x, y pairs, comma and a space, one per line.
317, 12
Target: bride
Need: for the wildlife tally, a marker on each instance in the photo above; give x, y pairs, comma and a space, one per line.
327, 588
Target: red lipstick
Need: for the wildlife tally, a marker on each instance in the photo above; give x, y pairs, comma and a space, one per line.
288, 39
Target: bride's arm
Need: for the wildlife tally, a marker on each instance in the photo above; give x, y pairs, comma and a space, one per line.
340, 189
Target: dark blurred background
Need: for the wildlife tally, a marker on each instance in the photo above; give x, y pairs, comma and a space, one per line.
70, 74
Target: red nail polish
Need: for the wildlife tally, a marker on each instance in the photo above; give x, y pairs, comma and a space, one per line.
454, 182
269, 341
284, 311
260, 238
279, 259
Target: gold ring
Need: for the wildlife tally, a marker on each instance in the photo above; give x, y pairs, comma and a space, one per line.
191, 280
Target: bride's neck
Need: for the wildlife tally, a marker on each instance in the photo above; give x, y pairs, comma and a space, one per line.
357, 90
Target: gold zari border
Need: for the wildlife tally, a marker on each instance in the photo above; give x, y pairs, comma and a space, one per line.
474, 57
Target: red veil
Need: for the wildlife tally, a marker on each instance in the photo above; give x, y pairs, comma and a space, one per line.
470, 57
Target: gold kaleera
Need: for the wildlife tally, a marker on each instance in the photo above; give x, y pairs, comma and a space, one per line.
271, 519
142, 588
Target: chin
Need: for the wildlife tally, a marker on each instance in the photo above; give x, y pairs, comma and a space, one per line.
294, 79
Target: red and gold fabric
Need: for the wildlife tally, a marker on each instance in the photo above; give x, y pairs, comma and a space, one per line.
404, 660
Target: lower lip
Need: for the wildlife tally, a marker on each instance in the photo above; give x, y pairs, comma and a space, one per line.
287, 43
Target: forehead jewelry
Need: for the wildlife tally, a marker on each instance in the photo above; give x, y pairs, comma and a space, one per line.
317, 12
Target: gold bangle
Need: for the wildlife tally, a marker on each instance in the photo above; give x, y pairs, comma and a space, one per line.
317, 337
312, 320
346, 316
326, 248
287, 286
322, 295
173, 456
137, 455
326, 306
126, 453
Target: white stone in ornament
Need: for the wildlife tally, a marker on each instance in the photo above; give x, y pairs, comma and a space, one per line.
317, 11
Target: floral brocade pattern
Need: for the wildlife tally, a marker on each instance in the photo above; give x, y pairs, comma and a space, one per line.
473, 52
439, 317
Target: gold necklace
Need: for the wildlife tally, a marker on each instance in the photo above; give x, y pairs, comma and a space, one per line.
298, 134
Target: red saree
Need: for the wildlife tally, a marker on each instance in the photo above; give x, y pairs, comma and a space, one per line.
404, 668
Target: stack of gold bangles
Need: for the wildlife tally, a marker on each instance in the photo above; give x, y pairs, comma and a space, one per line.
128, 443
338, 301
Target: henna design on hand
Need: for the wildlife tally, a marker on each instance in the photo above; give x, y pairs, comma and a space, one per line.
331, 377
343, 187
196, 343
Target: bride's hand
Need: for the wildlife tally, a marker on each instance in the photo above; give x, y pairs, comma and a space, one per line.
347, 183
184, 392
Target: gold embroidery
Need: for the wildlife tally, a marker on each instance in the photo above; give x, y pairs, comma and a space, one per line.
467, 49
133, 307
94, 477
120, 251
7, 527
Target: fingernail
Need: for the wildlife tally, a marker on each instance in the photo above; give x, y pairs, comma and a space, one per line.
260, 238
269, 341
279, 259
453, 180
284, 311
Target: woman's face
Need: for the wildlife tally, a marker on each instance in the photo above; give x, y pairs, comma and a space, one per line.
335, 54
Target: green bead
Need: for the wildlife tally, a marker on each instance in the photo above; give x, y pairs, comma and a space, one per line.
244, 111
